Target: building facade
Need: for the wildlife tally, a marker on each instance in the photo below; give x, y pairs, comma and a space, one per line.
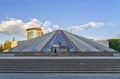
7, 45
34, 32
103, 42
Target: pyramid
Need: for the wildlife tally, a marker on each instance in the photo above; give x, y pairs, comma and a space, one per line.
60, 41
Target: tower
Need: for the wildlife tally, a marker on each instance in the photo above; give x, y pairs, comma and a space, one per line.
34, 32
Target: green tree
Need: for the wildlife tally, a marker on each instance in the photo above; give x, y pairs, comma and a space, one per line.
1, 48
114, 44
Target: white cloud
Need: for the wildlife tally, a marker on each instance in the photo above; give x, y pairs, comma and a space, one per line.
56, 26
17, 26
47, 23
46, 27
12, 26
33, 23
86, 26
94, 24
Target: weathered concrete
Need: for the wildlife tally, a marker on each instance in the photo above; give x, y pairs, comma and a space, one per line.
62, 54
60, 64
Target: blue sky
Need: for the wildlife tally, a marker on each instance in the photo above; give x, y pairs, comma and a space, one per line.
66, 14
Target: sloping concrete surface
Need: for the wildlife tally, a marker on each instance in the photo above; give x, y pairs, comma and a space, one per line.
60, 64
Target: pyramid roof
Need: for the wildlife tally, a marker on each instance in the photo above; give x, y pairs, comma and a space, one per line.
60, 41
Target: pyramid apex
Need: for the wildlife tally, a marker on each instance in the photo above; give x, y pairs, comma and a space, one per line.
59, 30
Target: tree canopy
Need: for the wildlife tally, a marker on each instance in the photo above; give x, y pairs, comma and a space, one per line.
114, 44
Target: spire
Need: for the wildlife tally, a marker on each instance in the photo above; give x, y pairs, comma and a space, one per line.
13, 38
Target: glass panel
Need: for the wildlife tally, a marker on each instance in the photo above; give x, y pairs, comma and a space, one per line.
59, 42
